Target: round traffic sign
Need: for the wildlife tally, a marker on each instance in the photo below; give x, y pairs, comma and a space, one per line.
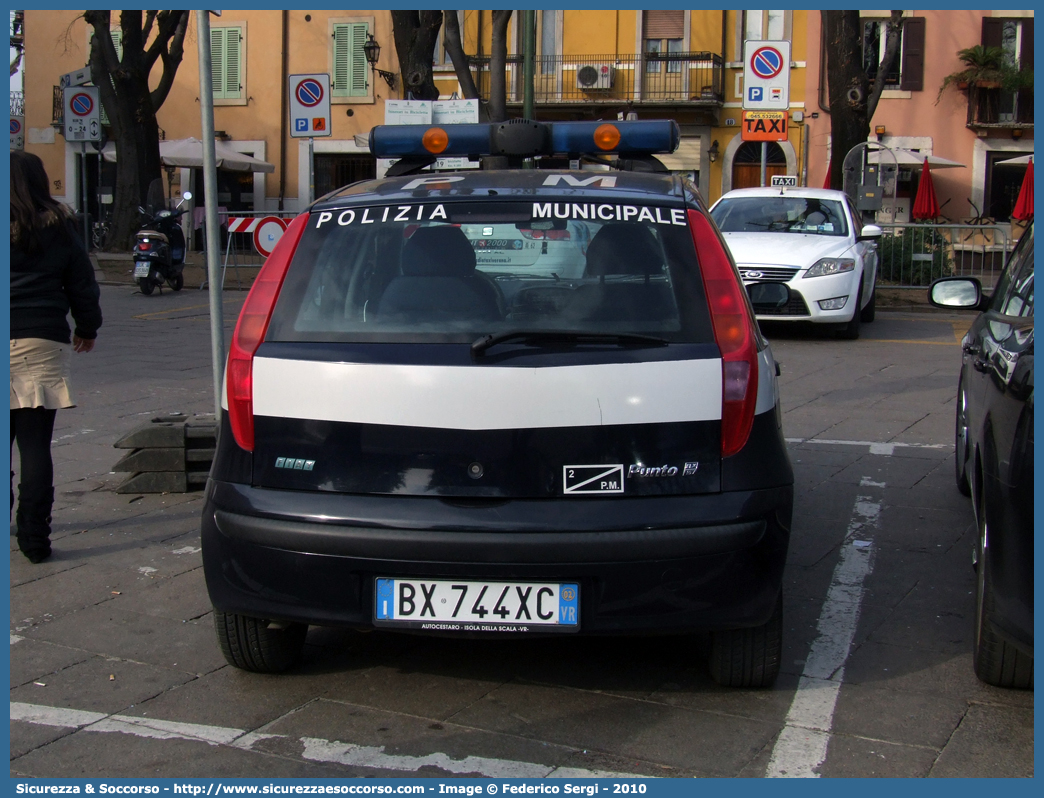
16, 127
81, 104
767, 62
267, 234
309, 92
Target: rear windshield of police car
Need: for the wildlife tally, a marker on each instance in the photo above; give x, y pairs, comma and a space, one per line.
451, 271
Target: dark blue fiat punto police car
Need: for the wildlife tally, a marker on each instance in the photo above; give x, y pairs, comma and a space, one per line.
513, 401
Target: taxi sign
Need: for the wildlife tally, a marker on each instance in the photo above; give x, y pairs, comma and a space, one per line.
766, 76
310, 105
17, 132
783, 181
82, 113
764, 126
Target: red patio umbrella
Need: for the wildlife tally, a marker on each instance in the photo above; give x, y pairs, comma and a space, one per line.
1024, 204
925, 206
826, 183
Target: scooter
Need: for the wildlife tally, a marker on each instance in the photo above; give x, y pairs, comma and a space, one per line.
159, 254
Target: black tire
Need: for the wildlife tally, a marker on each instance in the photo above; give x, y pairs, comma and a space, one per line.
960, 446
146, 285
251, 644
850, 331
996, 662
748, 657
177, 282
869, 313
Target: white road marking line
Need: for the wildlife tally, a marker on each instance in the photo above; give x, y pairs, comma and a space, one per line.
876, 447
16, 638
54, 716
186, 550
802, 744
315, 749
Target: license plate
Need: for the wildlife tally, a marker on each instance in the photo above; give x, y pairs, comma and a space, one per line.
465, 606
142, 268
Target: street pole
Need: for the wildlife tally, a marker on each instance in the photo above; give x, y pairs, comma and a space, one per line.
83, 182
210, 200
528, 66
764, 158
311, 170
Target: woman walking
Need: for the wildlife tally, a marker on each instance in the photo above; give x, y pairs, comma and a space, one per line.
51, 275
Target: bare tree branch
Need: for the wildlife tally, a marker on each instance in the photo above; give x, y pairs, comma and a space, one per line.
455, 48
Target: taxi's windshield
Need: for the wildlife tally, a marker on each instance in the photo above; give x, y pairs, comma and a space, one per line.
458, 270
805, 215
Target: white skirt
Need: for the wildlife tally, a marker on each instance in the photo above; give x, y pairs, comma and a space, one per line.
40, 374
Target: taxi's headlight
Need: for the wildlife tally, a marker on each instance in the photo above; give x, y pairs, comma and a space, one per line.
827, 266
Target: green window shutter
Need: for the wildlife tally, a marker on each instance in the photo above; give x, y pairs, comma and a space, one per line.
359, 65
233, 63
349, 60
217, 62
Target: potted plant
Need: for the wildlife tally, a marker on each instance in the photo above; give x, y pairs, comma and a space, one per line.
984, 68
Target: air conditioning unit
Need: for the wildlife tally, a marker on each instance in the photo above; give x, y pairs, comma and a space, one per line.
595, 77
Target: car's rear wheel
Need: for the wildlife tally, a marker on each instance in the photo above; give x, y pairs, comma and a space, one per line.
748, 657
960, 448
255, 644
869, 313
996, 662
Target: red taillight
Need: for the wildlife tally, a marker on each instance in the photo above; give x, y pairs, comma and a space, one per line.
144, 246
734, 332
250, 332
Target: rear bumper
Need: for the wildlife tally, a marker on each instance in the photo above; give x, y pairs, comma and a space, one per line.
649, 565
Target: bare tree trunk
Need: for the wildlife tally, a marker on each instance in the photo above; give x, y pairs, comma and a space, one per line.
415, 35
851, 103
498, 67
455, 48
124, 88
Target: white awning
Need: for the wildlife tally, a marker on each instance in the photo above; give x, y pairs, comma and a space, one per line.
911, 159
1021, 160
684, 159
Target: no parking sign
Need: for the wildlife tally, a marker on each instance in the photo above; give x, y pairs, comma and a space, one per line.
17, 132
766, 76
310, 105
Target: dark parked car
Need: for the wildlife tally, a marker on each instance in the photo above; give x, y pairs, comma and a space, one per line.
994, 460
502, 402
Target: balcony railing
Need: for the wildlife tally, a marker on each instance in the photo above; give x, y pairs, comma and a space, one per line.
997, 108
650, 78
17, 103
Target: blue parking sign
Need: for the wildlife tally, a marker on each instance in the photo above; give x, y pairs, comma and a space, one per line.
756, 94
301, 125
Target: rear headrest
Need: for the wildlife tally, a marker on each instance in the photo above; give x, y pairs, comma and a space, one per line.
442, 251
624, 248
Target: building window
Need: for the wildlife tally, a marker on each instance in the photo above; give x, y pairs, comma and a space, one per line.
1015, 38
663, 33
226, 62
907, 73
349, 60
441, 56
768, 25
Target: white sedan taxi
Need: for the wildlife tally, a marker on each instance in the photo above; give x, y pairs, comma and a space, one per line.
803, 253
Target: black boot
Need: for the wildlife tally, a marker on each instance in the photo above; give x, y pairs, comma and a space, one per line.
34, 524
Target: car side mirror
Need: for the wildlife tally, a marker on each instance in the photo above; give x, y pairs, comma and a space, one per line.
956, 292
870, 232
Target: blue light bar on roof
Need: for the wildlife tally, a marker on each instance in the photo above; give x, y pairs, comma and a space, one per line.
525, 138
